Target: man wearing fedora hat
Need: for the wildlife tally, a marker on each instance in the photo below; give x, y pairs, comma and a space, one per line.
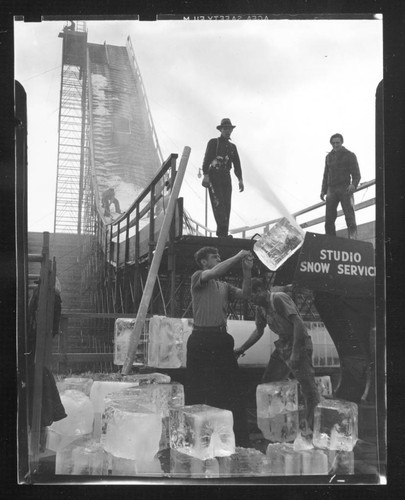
219, 157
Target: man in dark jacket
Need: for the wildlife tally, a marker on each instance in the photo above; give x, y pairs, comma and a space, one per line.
219, 157
340, 180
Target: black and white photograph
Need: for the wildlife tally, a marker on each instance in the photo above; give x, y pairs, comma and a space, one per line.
199, 291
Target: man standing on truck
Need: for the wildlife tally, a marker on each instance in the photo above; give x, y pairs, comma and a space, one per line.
293, 349
340, 180
219, 157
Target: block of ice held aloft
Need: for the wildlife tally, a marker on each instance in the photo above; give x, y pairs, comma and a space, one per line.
79, 384
166, 341
123, 329
314, 462
244, 462
125, 467
131, 431
340, 462
335, 425
277, 245
82, 457
202, 431
281, 428
274, 398
183, 465
283, 460
80, 414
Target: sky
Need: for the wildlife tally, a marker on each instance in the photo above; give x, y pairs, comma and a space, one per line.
287, 85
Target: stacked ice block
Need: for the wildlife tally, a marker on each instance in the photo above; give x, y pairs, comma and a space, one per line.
123, 329
131, 430
183, 465
157, 398
79, 384
79, 420
82, 457
166, 341
202, 431
277, 410
244, 462
101, 388
125, 467
283, 460
335, 425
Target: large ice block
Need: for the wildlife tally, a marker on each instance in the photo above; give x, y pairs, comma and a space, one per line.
314, 462
274, 398
277, 245
281, 428
158, 398
283, 460
100, 389
340, 462
80, 414
125, 467
79, 384
335, 425
166, 341
82, 457
183, 465
244, 462
202, 431
123, 329
131, 431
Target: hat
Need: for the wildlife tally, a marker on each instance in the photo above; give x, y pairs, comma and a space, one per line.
225, 122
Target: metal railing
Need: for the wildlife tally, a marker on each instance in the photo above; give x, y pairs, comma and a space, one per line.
196, 228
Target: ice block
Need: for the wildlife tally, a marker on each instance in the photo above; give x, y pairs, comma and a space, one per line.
335, 425
100, 389
79, 384
281, 428
244, 462
183, 465
131, 431
82, 457
274, 398
157, 398
314, 462
80, 414
340, 462
279, 243
123, 330
283, 460
202, 431
166, 341
125, 467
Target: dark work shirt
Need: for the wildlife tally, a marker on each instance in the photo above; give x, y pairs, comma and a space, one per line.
341, 169
227, 150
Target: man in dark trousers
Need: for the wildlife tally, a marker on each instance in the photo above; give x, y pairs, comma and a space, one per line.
219, 157
340, 180
212, 372
293, 349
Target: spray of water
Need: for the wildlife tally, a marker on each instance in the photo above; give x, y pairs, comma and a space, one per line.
263, 185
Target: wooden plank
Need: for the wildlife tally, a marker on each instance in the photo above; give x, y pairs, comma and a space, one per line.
154, 268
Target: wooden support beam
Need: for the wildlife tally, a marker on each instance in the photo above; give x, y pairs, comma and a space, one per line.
154, 268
